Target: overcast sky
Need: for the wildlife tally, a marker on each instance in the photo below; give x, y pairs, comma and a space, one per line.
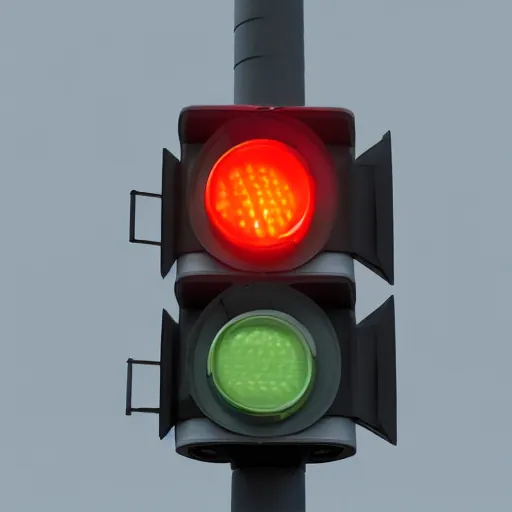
90, 92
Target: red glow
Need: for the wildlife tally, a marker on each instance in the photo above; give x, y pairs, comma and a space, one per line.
260, 195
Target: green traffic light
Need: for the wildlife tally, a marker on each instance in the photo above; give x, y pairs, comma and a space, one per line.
262, 364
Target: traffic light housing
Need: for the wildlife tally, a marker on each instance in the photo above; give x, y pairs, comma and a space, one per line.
264, 213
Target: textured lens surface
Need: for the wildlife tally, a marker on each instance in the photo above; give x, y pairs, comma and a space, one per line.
261, 365
259, 194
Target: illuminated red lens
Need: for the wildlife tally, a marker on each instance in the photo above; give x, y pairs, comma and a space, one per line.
260, 195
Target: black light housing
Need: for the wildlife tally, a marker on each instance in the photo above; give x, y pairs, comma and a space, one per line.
313, 284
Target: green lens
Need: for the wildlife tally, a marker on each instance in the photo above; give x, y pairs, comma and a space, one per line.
262, 364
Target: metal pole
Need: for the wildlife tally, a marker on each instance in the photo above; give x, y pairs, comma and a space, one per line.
269, 71
268, 489
269, 52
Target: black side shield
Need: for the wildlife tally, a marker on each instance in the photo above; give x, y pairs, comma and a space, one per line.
374, 376
170, 211
169, 366
372, 209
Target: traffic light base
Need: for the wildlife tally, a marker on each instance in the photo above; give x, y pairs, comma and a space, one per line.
330, 439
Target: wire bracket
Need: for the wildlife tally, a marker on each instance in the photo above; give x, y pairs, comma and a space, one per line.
129, 382
133, 201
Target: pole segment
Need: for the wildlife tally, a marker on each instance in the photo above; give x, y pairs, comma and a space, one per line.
268, 489
269, 71
269, 52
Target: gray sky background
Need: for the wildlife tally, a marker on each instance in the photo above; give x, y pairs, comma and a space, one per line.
90, 92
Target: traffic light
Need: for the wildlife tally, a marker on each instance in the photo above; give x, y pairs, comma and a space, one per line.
264, 214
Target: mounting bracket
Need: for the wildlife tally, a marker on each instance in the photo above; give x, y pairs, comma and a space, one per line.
133, 201
129, 382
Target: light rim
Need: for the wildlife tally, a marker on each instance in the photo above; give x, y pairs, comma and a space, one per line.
307, 344
295, 134
240, 299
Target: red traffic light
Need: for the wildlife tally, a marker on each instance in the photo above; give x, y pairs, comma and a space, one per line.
263, 191
260, 195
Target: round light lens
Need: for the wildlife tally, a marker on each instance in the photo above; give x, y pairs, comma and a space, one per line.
261, 365
260, 195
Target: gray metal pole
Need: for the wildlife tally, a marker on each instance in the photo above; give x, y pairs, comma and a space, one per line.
269, 71
269, 52
268, 489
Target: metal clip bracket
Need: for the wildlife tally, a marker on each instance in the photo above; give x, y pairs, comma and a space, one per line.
129, 382
133, 200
